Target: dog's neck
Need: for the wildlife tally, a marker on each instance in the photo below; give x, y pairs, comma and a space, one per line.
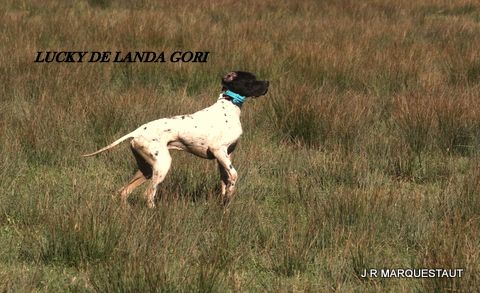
234, 98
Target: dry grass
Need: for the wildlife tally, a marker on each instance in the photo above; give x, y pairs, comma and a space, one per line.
364, 153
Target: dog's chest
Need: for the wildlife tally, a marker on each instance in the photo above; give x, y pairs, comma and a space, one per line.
216, 125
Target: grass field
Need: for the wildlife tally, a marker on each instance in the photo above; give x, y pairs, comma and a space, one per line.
364, 153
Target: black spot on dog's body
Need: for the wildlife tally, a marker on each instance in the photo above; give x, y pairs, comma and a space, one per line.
168, 130
144, 128
231, 166
183, 117
156, 153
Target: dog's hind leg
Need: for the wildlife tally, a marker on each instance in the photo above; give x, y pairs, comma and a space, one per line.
160, 166
136, 181
143, 174
156, 154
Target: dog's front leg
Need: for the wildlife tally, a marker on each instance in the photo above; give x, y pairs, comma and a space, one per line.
223, 178
228, 174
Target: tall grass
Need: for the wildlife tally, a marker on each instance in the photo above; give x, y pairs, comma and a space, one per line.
364, 153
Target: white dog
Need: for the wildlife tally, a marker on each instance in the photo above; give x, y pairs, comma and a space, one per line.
211, 133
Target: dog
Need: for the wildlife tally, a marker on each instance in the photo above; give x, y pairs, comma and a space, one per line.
211, 133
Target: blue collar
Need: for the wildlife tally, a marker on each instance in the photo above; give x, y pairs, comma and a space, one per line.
236, 98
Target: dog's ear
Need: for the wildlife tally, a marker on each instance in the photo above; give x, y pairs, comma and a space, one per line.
245, 75
238, 75
229, 77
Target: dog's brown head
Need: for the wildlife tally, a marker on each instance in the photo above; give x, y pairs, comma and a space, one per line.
245, 84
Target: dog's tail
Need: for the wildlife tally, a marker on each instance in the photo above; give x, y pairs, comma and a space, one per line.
118, 141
